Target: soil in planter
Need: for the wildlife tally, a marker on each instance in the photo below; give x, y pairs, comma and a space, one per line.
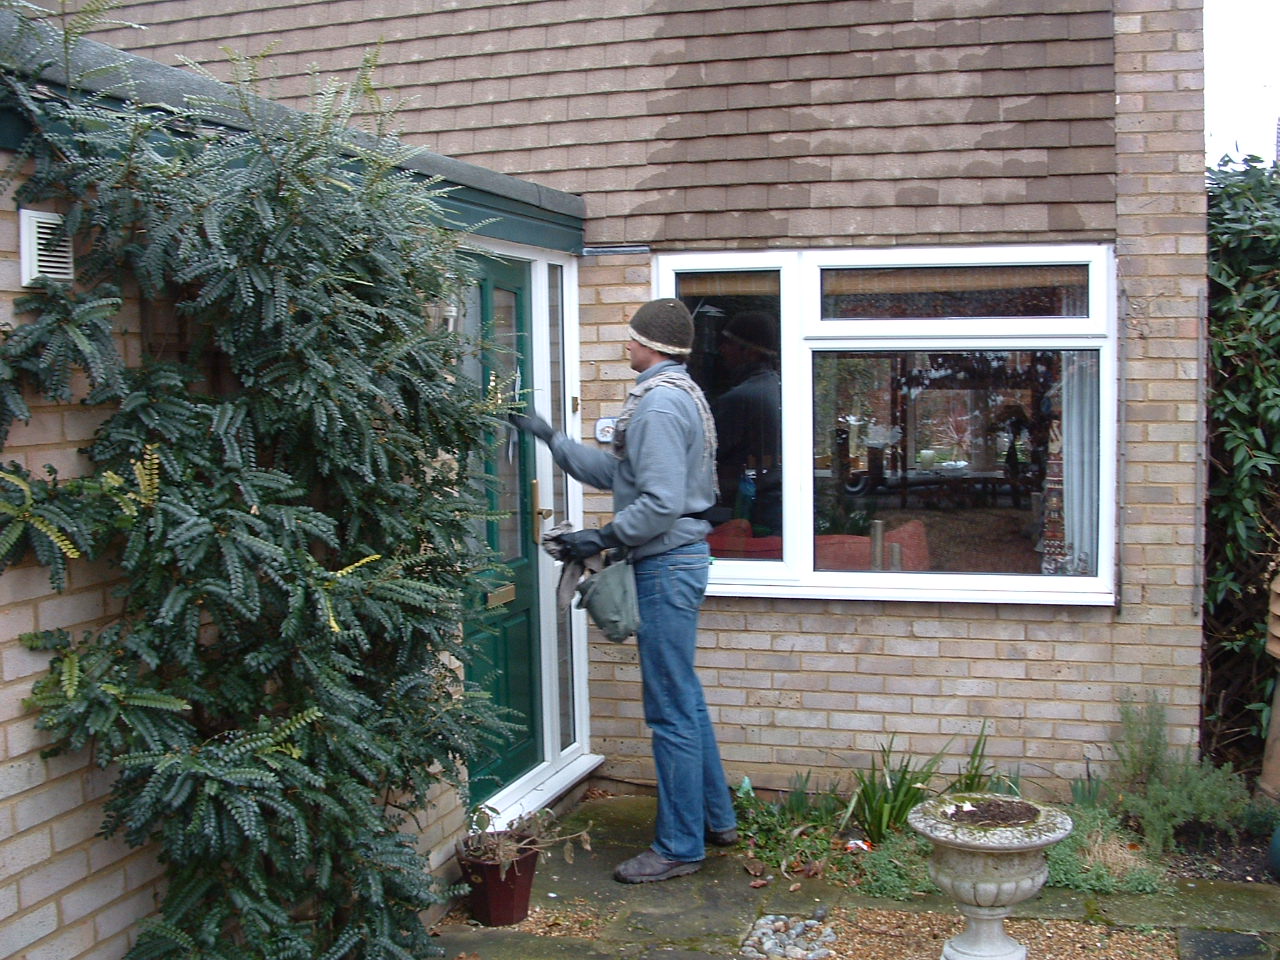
994, 813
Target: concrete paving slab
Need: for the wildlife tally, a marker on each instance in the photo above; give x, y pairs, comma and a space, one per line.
1200, 905
1217, 945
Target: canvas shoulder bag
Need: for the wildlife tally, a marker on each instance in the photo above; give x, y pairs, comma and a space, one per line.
610, 599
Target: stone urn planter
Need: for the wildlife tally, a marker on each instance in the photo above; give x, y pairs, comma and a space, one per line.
988, 854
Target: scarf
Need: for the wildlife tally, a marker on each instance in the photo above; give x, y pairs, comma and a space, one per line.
681, 381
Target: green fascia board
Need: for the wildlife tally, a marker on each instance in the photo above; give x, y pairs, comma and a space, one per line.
500, 218
497, 205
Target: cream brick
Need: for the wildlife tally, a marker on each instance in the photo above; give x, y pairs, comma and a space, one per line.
23, 583
915, 686
45, 804
18, 663
51, 877
940, 628
8, 900
873, 723
854, 683
917, 724
24, 851
20, 775
999, 668
92, 895
803, 719
80, 825
21, 931
882, 703
124, 914
67, 610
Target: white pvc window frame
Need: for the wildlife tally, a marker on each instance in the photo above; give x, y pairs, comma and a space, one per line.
804, 332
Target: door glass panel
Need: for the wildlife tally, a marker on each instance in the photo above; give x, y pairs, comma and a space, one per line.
505, 361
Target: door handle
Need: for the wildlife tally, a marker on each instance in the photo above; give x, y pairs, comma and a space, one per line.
542, 513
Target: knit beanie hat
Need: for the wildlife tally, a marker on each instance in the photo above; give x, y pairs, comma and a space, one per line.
663, 325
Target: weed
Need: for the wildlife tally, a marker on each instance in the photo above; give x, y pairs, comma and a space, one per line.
886, 793
1165, 790
1260, 817
979, 776
1089, 791
896, 869
1100, 856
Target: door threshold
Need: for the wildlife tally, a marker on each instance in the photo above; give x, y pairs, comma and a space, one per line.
541, 787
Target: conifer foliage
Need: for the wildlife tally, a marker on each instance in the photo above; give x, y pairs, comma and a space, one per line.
287, 485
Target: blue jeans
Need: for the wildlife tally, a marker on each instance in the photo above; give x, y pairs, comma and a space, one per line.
693, 795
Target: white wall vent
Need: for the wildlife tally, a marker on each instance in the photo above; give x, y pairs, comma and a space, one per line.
43, 252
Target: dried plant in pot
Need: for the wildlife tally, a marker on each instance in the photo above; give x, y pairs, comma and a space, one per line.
988, 854
498, 864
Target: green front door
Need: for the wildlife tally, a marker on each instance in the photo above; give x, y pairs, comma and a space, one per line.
509, 668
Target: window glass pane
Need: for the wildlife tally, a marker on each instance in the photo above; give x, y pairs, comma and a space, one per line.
735, 361
956, 461
976, 291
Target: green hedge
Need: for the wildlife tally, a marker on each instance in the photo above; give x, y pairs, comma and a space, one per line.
1243, 536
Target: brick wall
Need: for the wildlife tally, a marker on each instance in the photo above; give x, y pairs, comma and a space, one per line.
64, 892
695, 125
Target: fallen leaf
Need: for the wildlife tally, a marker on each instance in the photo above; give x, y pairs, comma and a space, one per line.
755, 867
759, 883
793, 888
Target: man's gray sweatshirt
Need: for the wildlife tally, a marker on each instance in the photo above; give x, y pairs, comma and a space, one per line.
662, 476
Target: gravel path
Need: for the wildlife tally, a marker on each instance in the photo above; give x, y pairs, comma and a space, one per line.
874, 934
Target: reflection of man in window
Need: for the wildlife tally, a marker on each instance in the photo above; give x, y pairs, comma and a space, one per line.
749, 422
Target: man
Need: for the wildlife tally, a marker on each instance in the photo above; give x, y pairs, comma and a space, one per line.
749, 422
661, 472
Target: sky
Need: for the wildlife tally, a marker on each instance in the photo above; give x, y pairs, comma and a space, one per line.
1242, 78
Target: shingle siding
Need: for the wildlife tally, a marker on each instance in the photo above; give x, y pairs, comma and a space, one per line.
885, 105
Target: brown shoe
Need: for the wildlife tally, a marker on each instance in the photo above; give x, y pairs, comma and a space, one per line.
648, 867
722, 838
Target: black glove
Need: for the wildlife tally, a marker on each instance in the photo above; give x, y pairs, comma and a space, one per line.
580, 544
531, 423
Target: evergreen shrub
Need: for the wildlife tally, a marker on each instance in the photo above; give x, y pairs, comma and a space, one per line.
1243, 529
288, 487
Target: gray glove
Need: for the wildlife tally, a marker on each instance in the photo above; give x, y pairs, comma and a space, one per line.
532, 423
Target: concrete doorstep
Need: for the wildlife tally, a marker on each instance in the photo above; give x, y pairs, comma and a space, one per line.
710, 913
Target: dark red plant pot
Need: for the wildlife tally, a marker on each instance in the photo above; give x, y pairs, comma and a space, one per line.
498, 899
